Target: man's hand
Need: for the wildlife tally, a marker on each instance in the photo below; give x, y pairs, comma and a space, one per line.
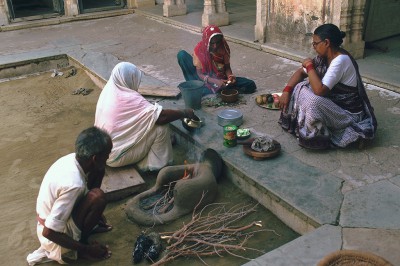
189, 113
96, 251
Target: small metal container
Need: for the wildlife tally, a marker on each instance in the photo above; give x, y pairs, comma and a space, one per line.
192, 124
230, 117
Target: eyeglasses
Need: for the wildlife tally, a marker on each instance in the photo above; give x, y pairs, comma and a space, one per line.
314, 44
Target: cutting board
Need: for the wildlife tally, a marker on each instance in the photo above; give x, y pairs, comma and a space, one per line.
159, 91
121, 182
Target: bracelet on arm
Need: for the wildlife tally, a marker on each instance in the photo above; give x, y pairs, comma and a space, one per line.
206, 79
309, 67
288, 89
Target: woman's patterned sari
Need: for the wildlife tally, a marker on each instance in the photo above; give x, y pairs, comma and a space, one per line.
341, 117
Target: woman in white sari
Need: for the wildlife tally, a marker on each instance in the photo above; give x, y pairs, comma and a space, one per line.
139, 129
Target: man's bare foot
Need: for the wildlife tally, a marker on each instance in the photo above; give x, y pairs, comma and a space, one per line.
101, 227
88, 256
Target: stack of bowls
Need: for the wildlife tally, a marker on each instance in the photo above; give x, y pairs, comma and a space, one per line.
230, 117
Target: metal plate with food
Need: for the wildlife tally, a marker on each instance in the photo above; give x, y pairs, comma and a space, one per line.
268, 100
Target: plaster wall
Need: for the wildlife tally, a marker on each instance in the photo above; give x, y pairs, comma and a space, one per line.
291, 22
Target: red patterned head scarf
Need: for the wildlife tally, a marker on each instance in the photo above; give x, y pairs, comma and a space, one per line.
202, 49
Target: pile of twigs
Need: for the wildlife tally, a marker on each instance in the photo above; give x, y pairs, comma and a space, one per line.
164, 202
212, 233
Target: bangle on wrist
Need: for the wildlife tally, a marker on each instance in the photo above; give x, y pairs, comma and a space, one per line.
206, 79
309, 67
288, 89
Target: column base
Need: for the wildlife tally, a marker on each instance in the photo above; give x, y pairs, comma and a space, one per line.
140, 3
3, 16
219, 19
356, 49
260, 33
174, 10
71, 8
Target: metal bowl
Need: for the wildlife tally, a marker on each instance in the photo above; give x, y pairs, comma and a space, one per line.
230, 117
191, 124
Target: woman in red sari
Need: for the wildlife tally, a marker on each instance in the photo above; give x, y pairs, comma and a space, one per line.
211, 64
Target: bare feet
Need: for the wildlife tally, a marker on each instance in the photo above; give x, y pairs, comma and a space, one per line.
101, 227
96, 251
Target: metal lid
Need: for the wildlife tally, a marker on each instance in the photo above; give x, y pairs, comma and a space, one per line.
230, 117
230, 114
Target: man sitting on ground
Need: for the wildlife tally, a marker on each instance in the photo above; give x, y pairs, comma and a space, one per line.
70, 203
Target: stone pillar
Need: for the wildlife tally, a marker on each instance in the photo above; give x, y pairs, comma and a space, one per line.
3, 13
357, 29
215, 13
71, 8
140, 3
174, 8
352, 13
260, 29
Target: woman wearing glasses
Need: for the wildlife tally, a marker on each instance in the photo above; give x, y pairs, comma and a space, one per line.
331, 106
211, 64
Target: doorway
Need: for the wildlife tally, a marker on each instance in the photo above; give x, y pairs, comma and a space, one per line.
381, 31
87, 6
34, 9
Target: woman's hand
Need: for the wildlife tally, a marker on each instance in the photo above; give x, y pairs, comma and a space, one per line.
231, 80
221, 83
307, 62
284, 101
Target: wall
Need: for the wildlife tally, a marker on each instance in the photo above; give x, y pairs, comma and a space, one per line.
291, 22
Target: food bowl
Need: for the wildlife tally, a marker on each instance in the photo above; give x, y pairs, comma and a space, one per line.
191, 124
229, 95
243, 133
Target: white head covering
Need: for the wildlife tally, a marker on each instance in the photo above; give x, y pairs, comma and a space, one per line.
126, 75
121, 111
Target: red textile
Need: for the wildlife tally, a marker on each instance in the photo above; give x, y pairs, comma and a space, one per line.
206, 58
